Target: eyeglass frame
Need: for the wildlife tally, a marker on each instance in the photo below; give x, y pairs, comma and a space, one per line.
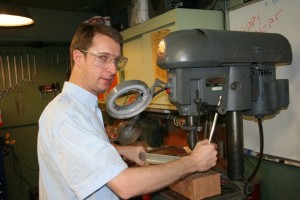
116, 60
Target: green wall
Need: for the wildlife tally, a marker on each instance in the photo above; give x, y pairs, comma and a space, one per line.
277, 181
51, 67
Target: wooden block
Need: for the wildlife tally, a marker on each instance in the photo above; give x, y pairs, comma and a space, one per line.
199, 185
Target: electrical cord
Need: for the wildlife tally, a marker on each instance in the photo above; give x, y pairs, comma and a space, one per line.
261, 137
248, 161
18, 171
7, 147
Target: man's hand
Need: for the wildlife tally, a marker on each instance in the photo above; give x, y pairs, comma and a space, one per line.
132, 153
205, 155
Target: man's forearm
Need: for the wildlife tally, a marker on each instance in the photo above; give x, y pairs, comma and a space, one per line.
141, 180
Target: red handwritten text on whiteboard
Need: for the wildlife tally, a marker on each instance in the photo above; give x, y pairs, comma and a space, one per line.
258, 24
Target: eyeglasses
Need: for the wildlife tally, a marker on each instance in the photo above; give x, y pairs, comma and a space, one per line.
101, 58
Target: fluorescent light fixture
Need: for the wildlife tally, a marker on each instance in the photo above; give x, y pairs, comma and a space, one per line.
12, 15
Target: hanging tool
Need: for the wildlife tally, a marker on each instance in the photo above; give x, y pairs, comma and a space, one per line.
16, 72
4, 91
29, 69
22, 68
44, 89
34, 66
19, 103
10, 87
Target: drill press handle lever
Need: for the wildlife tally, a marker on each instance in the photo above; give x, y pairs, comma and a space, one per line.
206, 108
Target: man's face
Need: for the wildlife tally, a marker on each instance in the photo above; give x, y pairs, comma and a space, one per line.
99, 66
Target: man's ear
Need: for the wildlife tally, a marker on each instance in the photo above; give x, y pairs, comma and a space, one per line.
78, 57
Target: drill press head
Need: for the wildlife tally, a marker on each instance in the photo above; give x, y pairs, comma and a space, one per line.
239, 66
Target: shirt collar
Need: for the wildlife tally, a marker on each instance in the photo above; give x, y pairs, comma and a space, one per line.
82, 95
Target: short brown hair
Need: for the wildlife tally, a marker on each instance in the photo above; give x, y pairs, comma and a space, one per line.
85, 33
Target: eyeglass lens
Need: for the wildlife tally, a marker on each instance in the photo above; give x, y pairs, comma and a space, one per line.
104, 58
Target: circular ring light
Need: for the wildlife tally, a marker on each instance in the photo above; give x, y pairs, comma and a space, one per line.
128, 99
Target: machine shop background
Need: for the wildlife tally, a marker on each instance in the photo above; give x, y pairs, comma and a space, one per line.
44, 51
21, 106
282, 130
275, 17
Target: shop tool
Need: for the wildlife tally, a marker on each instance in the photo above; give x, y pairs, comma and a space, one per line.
4, 91
28, 68
10, 87
22, 68
16, 72
204, 65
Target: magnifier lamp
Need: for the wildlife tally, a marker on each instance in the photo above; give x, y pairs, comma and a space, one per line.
128, 100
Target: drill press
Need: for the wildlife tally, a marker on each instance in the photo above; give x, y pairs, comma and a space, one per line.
212, 71
239, 67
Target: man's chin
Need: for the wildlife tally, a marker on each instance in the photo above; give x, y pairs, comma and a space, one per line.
105, 85
104, 89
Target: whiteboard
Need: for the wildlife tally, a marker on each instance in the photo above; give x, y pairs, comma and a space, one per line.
281, 131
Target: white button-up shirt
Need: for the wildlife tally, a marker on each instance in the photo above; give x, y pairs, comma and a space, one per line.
75, 157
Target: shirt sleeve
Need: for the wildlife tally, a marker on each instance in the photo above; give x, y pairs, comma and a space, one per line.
86, 159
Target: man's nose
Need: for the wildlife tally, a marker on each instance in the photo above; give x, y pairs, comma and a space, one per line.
112, 67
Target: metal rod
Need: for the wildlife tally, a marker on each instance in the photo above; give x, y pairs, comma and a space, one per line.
214, 122
191, 134
235, 145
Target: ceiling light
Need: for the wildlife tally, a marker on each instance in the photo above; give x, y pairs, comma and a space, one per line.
12, 15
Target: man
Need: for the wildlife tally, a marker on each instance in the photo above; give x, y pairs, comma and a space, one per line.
75, 156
